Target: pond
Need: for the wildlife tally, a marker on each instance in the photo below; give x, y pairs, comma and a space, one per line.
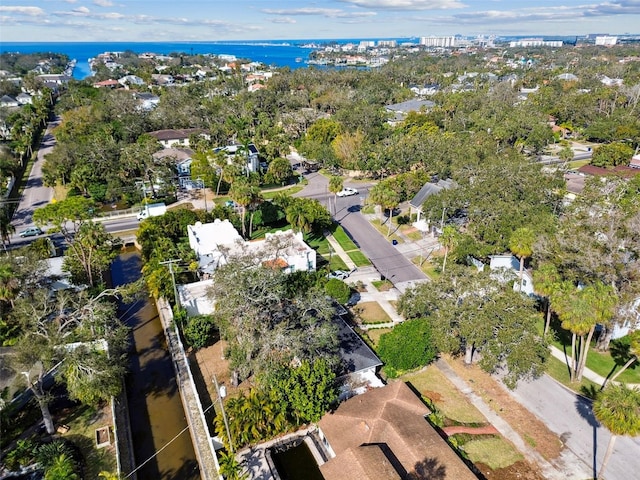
296, 463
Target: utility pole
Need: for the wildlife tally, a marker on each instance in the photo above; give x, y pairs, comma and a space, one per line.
173, 277
204, 191
224, 415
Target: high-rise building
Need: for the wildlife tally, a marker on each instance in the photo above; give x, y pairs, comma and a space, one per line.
606, 40
446, 42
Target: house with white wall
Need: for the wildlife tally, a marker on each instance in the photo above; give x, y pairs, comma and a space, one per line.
506, 268
171, 138
252, 162
215, 243
511, 265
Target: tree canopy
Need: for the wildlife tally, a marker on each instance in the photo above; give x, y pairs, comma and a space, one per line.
473, 313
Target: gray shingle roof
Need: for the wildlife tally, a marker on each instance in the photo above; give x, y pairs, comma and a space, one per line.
429, 189
356, 355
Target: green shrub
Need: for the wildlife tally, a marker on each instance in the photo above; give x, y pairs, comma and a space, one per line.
407, 346
338, 289
199, 331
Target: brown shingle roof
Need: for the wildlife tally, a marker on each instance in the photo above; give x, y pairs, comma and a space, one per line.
368, 461
392, 418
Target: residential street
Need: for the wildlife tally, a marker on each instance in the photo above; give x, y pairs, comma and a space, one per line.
565, 413
388, 260
570, 417
35, 194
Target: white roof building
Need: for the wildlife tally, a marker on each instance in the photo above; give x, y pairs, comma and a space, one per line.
214, 243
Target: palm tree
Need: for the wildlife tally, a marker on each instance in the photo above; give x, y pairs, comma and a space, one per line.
521, 245
634, 353
546, 280
256, 200
230, 468
63, 468
580, 310
335, 185
572, 310
448, 240
241, 193
298, 216
618, 409
6, 229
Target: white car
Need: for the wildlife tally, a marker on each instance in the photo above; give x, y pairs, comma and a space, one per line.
347, 192
339, 274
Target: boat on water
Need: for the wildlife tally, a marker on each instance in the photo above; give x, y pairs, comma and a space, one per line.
298, 59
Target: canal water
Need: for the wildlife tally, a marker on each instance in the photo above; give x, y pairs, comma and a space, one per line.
158, 424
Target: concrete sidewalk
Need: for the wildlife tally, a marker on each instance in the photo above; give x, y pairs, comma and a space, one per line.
367, 275
548, 470
588, 374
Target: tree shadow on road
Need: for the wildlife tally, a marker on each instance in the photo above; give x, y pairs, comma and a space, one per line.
584, 408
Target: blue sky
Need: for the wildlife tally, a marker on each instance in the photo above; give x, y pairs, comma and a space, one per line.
202, 20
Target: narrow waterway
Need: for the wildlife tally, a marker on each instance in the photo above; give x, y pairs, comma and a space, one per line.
158, 423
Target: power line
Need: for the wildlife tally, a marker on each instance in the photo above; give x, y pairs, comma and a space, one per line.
164, 446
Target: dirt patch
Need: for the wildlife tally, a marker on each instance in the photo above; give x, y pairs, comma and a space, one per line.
433, 396
528, 426
521, 470
211, 360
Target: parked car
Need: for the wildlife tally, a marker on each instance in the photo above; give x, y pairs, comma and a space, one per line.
31, 232
339, 274
347, 192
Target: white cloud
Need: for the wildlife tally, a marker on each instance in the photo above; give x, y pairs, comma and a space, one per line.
548, 14
28, 11
103, 3
407, 4
288, 20
323, 12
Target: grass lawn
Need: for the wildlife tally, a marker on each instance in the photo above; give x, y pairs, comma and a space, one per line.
359, 258
382, 285
602, 363
337, 263
83, 422
271, 194
577, 164
494, 452
371, 312
374, 334
412, 232
559, 371
428, 268
343, 239
431, 383
384, 230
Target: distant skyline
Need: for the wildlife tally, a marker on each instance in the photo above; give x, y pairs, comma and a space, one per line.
220, 20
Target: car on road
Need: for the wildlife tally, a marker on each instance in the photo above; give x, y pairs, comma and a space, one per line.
339, 274
347, 192
31, 232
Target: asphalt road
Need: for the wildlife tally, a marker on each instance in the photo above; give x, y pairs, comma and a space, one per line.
389, 262
35, 194
570, 417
